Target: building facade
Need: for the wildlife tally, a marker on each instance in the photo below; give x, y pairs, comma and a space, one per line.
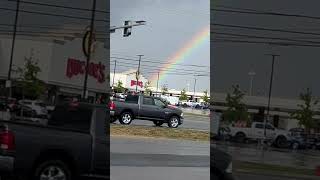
62, 63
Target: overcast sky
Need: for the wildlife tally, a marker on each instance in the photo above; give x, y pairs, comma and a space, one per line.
170, 25
296, 69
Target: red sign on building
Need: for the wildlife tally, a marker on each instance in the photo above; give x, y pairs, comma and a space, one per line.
134, 83
76, 67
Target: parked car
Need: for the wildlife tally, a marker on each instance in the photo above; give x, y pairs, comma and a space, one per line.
281, 138
302, 140
72, 144
38, 107
11, 104
145, 108
220, 165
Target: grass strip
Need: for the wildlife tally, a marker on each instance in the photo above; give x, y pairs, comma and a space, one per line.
159, 132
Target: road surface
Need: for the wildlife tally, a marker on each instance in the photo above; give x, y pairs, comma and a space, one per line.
158, 159
190, 121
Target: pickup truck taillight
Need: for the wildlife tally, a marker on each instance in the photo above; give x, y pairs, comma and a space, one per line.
112, 105
7, 140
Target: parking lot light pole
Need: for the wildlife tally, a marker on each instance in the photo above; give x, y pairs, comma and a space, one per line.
8, 84
138, 73
270, 91
158, 84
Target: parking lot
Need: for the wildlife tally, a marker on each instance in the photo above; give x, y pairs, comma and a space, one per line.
285, 157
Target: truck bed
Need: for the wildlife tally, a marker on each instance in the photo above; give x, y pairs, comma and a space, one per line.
32, 139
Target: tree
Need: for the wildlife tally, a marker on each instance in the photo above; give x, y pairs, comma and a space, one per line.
147, 88
305, 115
205, 96
183, 95
236, 109
32, 87
164, 89
119, 87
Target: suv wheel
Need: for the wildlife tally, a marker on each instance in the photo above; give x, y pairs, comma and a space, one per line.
240, 137
295, 146
158, 123
52, 169
126, 118
174, 122
281, 142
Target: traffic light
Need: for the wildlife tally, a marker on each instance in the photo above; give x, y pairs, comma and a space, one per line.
127, 30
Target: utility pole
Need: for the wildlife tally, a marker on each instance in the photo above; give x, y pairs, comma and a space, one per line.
270, 90
158, 83
84, 96
194, 88
251, 74
138, 73
8, 83
114, 72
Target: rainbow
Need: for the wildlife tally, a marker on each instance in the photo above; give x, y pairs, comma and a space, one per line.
182, 54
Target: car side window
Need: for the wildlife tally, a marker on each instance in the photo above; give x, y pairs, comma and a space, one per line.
132, 99
159, 103
259, 126
148, 101
76, 118
269, 127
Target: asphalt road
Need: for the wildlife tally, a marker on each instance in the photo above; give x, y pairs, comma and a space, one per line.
190, 122
158, 159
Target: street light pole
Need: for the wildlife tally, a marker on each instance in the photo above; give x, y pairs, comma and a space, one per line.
270, 90
114, 72
158, 83
84, 95
138, 73
251, 74
194, 88
12, 49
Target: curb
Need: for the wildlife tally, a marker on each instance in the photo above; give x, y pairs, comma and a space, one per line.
274, 174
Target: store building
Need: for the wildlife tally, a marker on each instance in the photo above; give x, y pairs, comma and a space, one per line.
62, 62
279, 114
129, 80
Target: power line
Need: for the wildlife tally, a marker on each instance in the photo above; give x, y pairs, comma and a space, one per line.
60, 6
264, 29
155, 67
52, 14
147, 67
49, 32
157, 62
168, 73
222, 40
265, 37
48, 26
265, 13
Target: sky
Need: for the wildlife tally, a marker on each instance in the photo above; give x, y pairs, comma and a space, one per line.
296, 69
169, 26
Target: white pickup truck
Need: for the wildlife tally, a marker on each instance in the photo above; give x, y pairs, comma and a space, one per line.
256, 132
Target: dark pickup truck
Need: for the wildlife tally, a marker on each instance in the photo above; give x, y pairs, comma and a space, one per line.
145, 108
73, 144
